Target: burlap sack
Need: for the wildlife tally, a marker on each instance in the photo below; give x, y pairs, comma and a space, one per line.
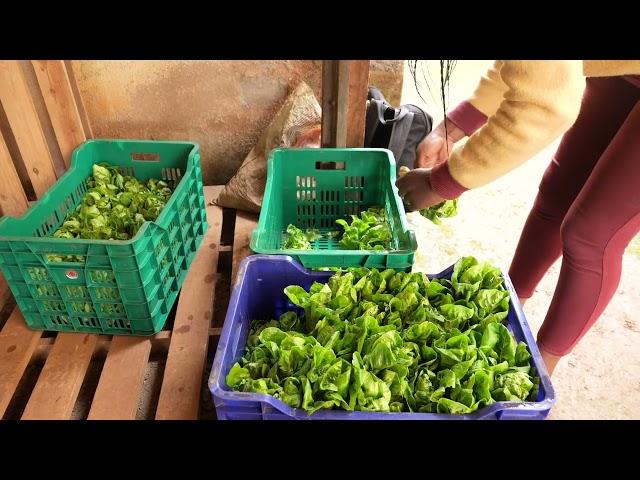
297, 124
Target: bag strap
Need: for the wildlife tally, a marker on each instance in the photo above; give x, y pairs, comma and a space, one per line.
375, 116
399, 135
400, 113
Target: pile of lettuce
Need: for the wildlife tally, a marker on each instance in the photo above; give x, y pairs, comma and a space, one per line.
384, 341
114, 207
367, 231
448, 208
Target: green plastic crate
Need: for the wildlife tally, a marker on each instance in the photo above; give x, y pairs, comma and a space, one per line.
312, 188
124, 287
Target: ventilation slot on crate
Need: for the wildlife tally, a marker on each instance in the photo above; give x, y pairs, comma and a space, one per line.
82, 189
62, 320
129, 171
118, 323
306, 201
53, 306
107, 293
111, 308
65, 207
354, 182
174, 174
102, 276
38, 274
353, 195
82, 307
90, 322
48, 225
46, 290
76, 291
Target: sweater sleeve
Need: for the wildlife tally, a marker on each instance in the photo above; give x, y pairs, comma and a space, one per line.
490, 90
540, 101
472, 114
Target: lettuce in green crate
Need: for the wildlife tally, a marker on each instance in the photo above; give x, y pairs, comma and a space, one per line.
299, 239
114, 208
390, 341
367, 231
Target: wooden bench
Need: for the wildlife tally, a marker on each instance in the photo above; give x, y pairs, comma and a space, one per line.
77, 376
49, 375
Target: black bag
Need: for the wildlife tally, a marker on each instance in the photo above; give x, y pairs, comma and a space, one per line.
398, 129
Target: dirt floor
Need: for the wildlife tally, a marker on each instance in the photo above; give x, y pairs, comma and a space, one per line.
600, 379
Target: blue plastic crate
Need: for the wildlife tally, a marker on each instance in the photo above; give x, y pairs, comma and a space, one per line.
258, 294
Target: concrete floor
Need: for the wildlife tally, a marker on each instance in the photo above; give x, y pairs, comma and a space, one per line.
600, 379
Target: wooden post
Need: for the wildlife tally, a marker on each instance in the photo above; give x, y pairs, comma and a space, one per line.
344, 96
329, 102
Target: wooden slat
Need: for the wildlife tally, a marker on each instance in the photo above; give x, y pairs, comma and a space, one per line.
106, 339
25, 125
84, 117
4, 291
118, 392
119, 388
159, 344
57, 389
13, 200
245, 223
180, 392
61, 104
17, 344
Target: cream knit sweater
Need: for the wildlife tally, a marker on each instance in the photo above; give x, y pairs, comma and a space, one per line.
528, 105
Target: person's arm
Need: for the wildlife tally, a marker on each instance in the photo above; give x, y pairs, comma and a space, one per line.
473, 113
463, 120
541, 101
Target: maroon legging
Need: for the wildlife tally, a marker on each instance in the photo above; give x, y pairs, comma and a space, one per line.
588, 210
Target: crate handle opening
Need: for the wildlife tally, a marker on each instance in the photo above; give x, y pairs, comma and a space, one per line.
145, 157
331, 166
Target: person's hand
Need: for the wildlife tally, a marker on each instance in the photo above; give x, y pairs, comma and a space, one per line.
415, 189
436, 147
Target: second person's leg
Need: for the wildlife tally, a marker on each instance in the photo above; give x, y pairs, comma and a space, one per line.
599, 225
605, 105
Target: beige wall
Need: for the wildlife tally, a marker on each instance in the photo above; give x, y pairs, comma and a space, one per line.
223, 105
